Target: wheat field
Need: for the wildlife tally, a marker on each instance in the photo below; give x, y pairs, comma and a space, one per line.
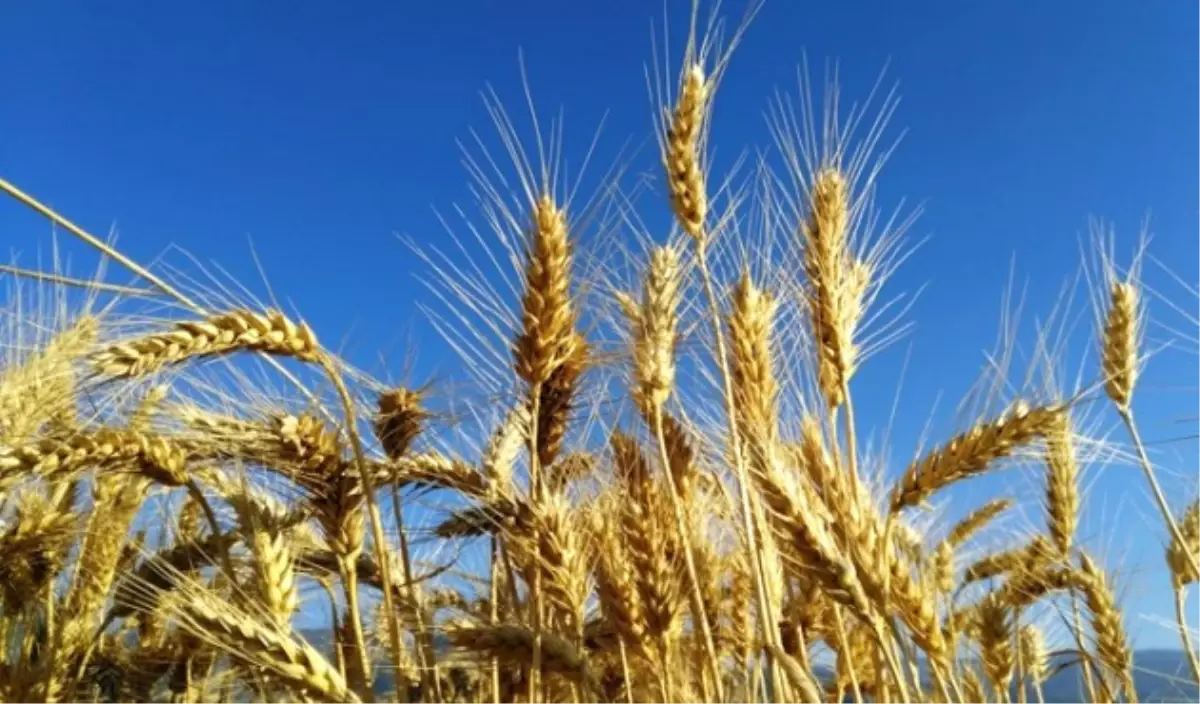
650, 485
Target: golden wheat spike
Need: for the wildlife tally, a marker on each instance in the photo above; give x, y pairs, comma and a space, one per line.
653, 324
835, 284
1062, 484
269, 332
973, 452
548, 338
1112, 643
398, 420
681, 153
1120, 348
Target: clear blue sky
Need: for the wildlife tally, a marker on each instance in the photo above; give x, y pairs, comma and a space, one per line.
321, 130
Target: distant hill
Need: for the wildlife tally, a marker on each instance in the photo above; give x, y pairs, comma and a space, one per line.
1160, 675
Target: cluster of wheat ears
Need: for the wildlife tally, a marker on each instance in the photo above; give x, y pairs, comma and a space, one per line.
646, 519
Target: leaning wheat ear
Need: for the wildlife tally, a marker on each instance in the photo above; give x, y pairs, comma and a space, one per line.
973, 452
41, 387
246, 638
269, 332
514, 644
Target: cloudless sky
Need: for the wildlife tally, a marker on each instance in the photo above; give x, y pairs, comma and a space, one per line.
319, 131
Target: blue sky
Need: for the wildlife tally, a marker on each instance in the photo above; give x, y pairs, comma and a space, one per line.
320, 131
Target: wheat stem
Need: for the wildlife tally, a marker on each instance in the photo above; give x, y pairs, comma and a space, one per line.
382, 556
1085, 668
494, 610
851, 438
748, 516
397, 513
624, 671
360, 672
1126, 413
535, 587
689, 560
426, 650
1181, 617
844, 646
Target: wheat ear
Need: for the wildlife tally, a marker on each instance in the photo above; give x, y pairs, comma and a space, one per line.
41, 387
975, 521
548, 337
972, 452
1112, 644
1034, 659
681, 153
151, 455
830, 290
259, 645
1119, 361
1120, 344
271, 332
274, 567
513, 643
398, 421
996, 641
1062, 484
